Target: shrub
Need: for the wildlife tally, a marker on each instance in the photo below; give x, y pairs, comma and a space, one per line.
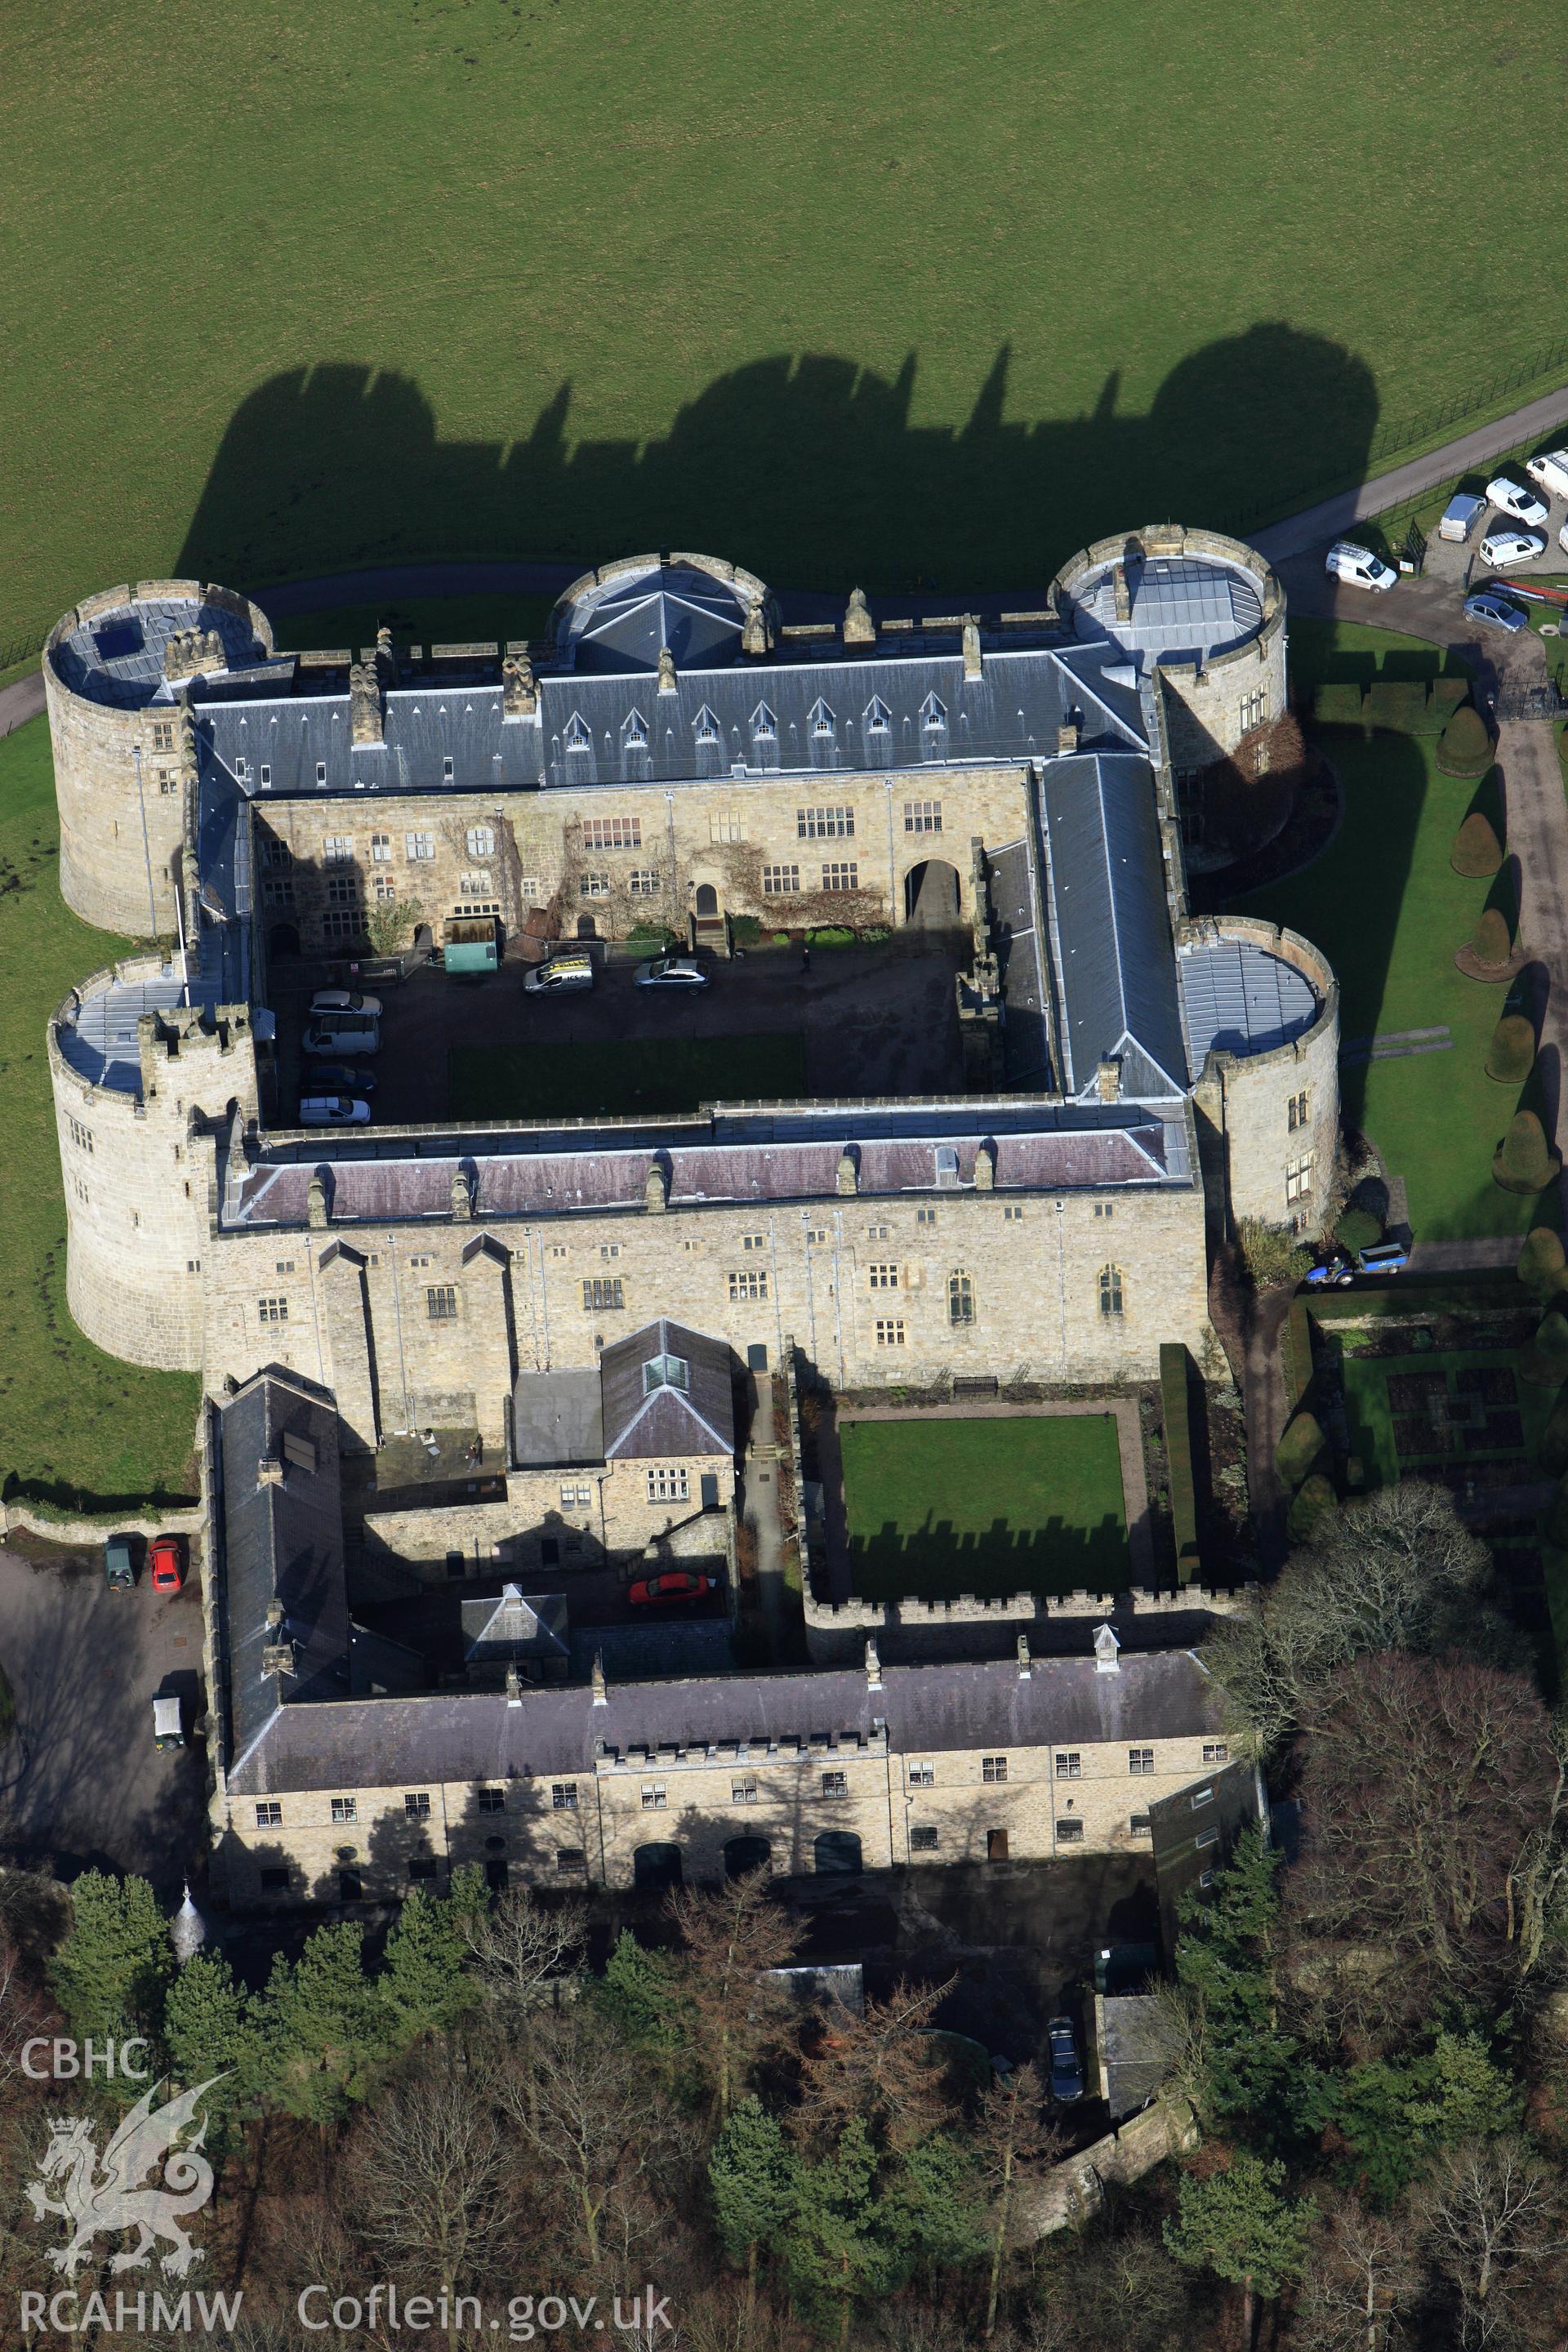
1553, 1452
1557, 1515
1308, 1508
1510, 1056
745, 931
1544, 1361
1358, 1229
781, 938
1524, 1161
1448, 693
1491, 942
1465, 747
1338, 705
1542, 1261
832, 935
1271, 1253
1477, 852
1299, 1449
1398, 704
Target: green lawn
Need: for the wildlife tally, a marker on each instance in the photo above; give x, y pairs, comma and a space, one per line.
990, 1506
876, 292
76, 1427
1388, 911
623, 1077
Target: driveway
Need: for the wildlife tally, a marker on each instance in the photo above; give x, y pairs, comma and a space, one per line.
81, 1781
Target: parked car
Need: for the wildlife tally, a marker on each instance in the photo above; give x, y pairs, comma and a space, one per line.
1513, 498
675, 1588
1562, 539
1503, 551
1358, 567
322, 1038
346, 999
560, 975
168, 1726
166, 1563
1551, 470
333, 1110
1334, 1272
1460, 515
118, 1564
671, 971
1382, 1257
342, 1079
1494, 611
1067, 2066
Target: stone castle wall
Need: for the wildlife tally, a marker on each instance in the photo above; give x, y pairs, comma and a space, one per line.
1277, 1153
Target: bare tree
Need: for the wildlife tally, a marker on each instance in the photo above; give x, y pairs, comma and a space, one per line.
1493, 2226
601, 2132
1362, 2277
522, 1945
734, 1933
1126, 2294
428, 2167
879, 2066
1015, 2142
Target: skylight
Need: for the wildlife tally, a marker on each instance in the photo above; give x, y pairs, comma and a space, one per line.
665, 1372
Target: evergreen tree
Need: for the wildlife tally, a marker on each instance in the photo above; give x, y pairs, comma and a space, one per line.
1226, 1967
839, 2249
422, 1986
209, 2041
322, 2027
1239, 2224
111, 1971
936, 2205
753, 2180
1393, 2116
638, 1994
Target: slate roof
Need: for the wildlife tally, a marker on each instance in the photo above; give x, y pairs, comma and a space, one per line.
557, 1418
117, 658
646, 1424
624, 623
280, 1538
476, 1736
1236, 998
515, 1626
1111, 926
1184, 608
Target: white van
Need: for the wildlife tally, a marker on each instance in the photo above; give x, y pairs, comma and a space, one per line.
1551, 471
168, 1731
560, 975
342, 1036
1358, 567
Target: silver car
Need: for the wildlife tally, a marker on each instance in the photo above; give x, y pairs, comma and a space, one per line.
671, 971
1494, 611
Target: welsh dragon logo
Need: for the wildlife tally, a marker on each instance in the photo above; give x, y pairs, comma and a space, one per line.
96, 2198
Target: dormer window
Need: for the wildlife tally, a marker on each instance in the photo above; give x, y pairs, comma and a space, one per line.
577, 738
878, 717
665, 1372
934, 711
822, 720
705, 725
764, 724
634, 734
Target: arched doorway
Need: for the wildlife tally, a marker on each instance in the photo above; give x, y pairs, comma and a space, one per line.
654, 1866
930, 895
283, 940
743, 1854
835, 1854
705, 902
587, 929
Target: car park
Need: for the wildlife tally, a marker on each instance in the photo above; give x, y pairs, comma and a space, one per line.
1358, 567
331, 1037
1504, 550
1067, 2066
1382, 1257
333, 1110
1460, 515
168, 1723
560, 976
671, 971
1512, 498
118, 1564
342, 1079
1549, 469
346, 999
166, 1563
1494, 611
677, 1587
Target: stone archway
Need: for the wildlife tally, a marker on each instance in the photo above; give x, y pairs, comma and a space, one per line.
283, 940
657, 1866
743, 1854
705, 901
835, 1854
931, 899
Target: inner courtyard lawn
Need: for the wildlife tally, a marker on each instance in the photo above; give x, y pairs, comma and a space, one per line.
902, 293
991, 1506
1388, 911
621, 1078
77, 1429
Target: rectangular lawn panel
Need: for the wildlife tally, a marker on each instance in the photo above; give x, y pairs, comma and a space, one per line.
990, 1506
624, 1077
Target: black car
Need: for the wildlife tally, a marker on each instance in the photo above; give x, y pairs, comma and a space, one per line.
1067, 2066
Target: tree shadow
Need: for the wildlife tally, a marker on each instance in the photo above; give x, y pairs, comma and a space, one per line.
808, 467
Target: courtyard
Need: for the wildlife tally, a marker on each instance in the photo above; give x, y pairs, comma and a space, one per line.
877, 1018
990, 1503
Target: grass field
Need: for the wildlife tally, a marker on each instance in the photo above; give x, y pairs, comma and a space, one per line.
865, 293
1388, 911
76, 1427
934, 1508
623, 1078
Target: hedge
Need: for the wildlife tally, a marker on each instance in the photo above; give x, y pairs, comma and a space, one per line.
1176, 1402
1510, 1056
1309, 1510
1477, 852
1556, 1529
1448, 693
1338, 705
1358, 1229
1398, 704
1552, 1451
1466, 746
1298, 1448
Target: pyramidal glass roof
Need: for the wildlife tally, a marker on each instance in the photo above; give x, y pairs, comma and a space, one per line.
626, 624
1181, 606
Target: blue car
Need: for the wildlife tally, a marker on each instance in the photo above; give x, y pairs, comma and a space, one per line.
342, 1078
1067, 2066
1494, 611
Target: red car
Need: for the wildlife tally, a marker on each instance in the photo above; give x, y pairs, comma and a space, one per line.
675, 1586
166, 1559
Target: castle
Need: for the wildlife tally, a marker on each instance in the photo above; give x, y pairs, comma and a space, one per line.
1135, 1079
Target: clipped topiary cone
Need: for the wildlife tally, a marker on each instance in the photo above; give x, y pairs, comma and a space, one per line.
1298, 1448
1465, 747
1490, 941
1541, 1265
1524, 1161
1510, 1056
1544, 1361
1477, 852
1308, 1508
